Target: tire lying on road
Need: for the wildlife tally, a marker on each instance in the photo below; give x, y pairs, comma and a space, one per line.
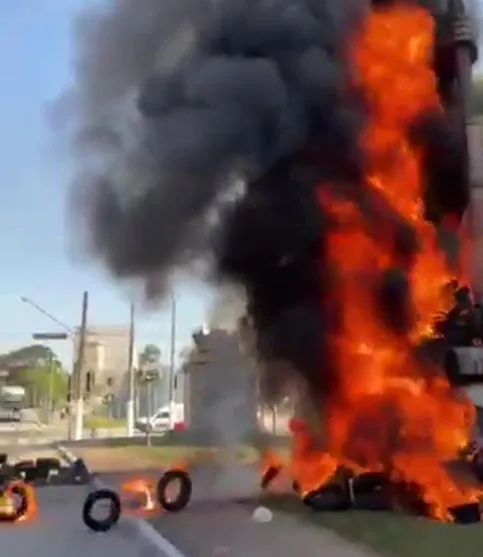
45, 466
50, 463
79, 472
26, 469
110, 521
19, 495
168, 479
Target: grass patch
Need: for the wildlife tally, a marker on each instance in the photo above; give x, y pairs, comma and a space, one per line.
168, 455
190, 438
102, 422
391, 534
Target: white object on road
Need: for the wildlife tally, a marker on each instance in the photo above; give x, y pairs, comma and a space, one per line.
262, 515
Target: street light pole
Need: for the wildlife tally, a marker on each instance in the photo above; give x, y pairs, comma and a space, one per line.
131, 373
51, 388
78, 372
30, 302
172, 354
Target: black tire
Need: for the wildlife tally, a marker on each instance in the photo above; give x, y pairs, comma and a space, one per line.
184, 495
113, 518
477, 465
44, 468
48, 463
269, 475
79, 472
3, 459
26, 470
22, 465
331, 497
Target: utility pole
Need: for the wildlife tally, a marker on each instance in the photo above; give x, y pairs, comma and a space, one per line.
172, 364
131, 373
78, 382
51, 387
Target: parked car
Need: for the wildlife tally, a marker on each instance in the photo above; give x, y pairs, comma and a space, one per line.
160, 421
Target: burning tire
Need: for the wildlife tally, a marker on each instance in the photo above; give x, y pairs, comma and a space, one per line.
184, 493
101, 525
270, 474
370, 492
16, 500
331, 497
477, 464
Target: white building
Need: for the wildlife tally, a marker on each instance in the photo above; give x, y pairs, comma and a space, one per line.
106, 358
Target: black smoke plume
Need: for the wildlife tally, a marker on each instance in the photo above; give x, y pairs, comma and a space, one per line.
176, 102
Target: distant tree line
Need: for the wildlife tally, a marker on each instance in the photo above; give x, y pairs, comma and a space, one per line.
39, 371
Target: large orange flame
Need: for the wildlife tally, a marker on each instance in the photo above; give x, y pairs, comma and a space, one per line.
390, 411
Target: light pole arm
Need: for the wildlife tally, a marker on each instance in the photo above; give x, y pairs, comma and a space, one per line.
41, 310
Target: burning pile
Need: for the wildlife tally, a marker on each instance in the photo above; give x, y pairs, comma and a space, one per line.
330, 115
392, 422
390, 411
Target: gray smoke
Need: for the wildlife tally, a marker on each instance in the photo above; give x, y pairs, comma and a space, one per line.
174, 100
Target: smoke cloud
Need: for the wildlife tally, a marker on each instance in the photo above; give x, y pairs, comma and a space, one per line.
174, 99
201, 128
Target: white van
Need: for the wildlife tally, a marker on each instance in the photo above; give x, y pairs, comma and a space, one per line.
161, 420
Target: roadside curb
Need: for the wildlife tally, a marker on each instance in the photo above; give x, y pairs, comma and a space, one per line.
155, 543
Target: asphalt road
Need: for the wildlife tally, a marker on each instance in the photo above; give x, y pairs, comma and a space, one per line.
219, 522
57, 529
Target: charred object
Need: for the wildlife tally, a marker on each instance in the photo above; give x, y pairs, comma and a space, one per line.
375, 491
448, 181
269, 475
43, 471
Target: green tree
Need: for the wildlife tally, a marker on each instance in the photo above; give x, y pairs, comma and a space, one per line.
43, 382
150, 355
27, 356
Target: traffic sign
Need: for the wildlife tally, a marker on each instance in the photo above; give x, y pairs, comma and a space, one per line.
50, 336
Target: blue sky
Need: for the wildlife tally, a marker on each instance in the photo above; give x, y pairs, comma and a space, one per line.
35, 259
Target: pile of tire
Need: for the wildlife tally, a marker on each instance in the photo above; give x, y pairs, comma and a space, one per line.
38, 472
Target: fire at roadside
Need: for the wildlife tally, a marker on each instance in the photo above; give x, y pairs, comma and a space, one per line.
393, 421
345, 127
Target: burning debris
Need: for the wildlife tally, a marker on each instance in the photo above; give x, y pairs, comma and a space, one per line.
342, 121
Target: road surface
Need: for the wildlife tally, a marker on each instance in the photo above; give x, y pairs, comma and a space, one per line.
216, 525
58, 531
